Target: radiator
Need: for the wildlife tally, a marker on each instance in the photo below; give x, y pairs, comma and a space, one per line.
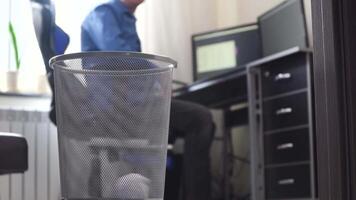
41, 180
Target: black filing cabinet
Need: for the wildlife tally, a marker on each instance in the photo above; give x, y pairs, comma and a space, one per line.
281, 126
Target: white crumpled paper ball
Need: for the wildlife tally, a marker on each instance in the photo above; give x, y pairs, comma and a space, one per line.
132, 186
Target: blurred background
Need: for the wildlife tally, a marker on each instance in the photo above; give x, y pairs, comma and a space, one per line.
165, 27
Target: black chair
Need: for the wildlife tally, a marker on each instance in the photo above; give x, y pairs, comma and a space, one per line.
43, 21
46, 32
13, 153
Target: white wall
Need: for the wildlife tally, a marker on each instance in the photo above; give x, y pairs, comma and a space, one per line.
227, 13
249, 10
165, 27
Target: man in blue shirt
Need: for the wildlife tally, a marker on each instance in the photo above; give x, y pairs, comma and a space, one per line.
111, 27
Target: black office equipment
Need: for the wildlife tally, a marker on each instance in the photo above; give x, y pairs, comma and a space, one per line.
281, 126
222, 50
283, 27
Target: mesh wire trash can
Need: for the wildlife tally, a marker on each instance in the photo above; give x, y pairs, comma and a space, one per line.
112, 117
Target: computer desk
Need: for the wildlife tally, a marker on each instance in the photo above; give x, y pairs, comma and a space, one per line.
223, 92
218, 92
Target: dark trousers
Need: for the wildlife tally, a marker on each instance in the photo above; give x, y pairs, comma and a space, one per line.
194, 122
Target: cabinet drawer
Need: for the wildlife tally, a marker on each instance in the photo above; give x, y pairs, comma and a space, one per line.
285, 147
284, 76
288, 182
285, 112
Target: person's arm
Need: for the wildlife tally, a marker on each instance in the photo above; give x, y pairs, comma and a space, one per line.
104, 31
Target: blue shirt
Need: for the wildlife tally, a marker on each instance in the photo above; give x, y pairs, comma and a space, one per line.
110, 27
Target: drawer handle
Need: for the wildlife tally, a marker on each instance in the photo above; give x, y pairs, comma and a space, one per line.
285, 146
284, 111
289, 181
283, 76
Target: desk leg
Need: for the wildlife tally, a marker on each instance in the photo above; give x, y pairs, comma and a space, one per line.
227, 159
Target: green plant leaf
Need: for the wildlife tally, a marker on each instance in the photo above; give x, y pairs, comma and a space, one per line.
14, 44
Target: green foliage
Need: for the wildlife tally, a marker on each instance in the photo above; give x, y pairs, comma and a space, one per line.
14, 44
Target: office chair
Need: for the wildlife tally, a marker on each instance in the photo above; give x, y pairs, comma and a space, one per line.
52, 40
13, 153
43, 22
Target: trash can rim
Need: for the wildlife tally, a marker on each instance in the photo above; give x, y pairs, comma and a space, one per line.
171, 63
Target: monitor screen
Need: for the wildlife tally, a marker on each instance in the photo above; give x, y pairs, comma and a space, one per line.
283, 27
222, 50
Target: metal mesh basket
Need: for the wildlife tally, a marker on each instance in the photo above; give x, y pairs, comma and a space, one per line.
113, 116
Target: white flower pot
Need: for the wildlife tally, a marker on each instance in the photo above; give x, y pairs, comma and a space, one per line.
12, 81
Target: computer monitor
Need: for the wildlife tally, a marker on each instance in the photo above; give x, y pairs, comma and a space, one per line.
283, 27
219, 51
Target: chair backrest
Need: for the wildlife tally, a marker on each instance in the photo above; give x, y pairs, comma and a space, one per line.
61, 40
51, 39
43, 21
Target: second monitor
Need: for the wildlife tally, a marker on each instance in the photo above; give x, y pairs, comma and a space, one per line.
283, 27
222, 50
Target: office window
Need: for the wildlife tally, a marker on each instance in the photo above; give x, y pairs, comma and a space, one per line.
70, 15
19, 51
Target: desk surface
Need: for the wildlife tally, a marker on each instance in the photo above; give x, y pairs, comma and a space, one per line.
219, 91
